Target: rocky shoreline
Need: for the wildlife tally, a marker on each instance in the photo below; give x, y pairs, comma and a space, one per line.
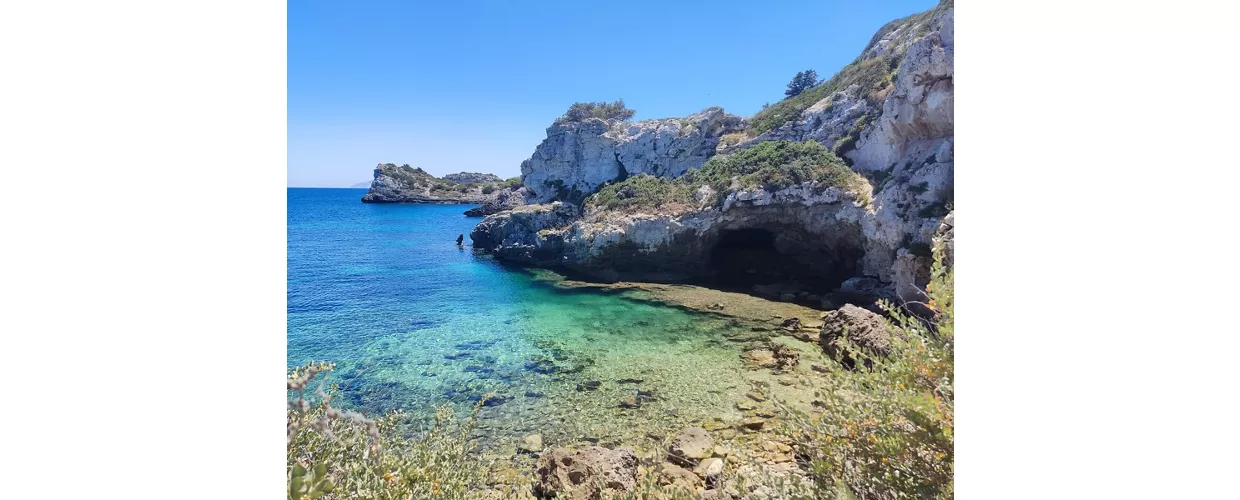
809, 258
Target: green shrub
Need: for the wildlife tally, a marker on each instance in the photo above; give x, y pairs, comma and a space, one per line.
776, 165
770, 165
642, 191
888, 433
581, 111
489, 188
334, 453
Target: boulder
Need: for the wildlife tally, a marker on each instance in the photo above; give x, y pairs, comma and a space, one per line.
585, 473
678, 477
866, 330
531, 444
710, 470
690, 446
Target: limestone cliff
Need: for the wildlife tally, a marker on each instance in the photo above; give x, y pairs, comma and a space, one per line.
889, 115
578, 157
405, 184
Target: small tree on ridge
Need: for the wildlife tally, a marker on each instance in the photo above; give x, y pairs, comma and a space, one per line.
801, 82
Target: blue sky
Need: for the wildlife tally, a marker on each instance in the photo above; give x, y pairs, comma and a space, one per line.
466, 85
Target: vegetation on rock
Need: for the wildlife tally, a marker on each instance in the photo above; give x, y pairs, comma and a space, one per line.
873, 76
803, 80
777, 165
643, 191
888, 432
581, 111
769, 165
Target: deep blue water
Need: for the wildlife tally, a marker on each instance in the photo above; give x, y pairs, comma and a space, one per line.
414, 321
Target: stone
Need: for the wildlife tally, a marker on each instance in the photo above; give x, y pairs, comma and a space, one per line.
678, 477
756, 396
690, 446
720, 451
585, 473
588, 385
630, 402
752, 423
745, 405
866, 330
710, 470
530, 444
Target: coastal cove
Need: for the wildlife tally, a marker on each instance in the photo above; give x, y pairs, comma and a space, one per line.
415, 321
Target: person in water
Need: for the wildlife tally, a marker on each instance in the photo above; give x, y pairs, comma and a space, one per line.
459, 239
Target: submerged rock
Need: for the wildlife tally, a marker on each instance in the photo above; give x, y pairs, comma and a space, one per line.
776, 356
531, 444
585, 473
630, 402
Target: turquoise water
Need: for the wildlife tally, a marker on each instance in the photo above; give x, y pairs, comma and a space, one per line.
414, 321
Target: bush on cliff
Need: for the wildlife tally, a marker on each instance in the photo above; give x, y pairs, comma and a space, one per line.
769, 165
581, 111
777, 165
888, 432
643, 191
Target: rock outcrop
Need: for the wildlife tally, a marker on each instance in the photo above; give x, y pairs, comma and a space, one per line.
896, 130
585, 473
691, 446
578, 157
506, 199
865, 330
405, 184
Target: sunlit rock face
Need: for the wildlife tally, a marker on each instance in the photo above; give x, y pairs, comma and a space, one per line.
578, 157
901, 137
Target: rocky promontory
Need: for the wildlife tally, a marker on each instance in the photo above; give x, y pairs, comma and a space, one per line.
405, 184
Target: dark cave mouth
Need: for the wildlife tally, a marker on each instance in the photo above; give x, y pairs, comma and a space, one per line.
746, 257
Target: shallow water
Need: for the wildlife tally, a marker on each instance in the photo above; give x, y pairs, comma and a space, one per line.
414, 321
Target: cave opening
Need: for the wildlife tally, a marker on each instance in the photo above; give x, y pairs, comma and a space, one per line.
747, 257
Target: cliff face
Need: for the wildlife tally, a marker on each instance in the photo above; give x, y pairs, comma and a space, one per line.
404, 184
891, 119
578, 157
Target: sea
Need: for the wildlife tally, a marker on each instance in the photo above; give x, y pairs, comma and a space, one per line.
416, 322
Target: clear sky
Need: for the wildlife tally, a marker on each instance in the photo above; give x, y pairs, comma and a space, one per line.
463, 85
